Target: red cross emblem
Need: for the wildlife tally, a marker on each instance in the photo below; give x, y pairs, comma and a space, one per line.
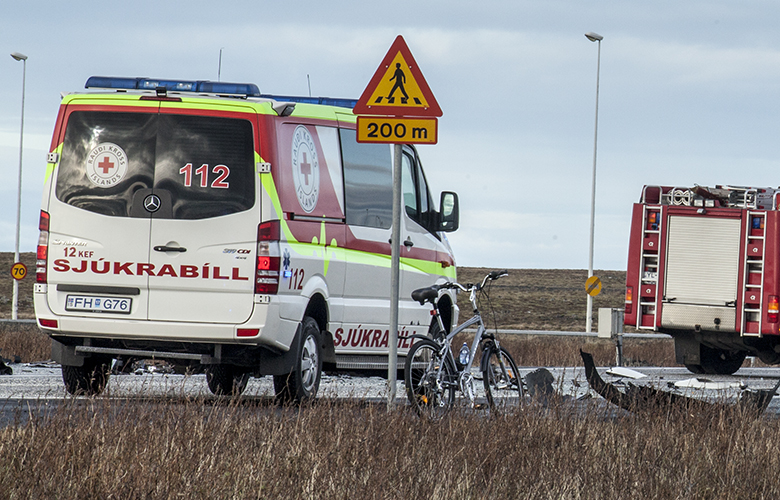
106, 165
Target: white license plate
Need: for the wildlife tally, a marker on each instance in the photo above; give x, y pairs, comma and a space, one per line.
120, 305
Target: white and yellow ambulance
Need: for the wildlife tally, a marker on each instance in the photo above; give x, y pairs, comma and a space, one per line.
211, 225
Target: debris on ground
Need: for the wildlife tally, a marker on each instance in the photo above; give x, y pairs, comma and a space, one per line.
539, 383
620, 371
703, 383
641, 398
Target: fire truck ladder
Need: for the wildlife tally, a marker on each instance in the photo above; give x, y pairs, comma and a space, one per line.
753, 276
648, 269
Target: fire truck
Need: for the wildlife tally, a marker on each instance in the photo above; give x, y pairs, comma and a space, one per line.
704, 267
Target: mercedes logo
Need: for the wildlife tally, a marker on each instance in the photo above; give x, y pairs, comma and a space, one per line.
152, 203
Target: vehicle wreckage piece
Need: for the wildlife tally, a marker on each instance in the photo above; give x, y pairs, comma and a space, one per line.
642, 398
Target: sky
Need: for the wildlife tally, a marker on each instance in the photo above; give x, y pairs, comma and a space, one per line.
687, 95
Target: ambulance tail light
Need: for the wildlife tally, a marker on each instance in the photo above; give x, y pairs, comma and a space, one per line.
629, 299
42, 258
773, 309
267, 276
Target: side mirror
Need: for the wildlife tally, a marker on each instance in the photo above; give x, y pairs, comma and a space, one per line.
448, 212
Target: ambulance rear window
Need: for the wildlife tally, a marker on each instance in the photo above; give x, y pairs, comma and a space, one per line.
201, 166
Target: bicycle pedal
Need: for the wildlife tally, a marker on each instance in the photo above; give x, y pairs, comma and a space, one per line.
481, 406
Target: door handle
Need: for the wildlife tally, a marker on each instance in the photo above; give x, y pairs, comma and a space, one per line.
163, 248
408, 242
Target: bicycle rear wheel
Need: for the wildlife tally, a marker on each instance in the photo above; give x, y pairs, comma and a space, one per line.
429, 378
503, 385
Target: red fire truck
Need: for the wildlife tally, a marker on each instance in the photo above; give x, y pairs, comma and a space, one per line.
704, 267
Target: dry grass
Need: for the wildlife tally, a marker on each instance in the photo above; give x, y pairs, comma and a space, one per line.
207, 448
113, 449
24, 340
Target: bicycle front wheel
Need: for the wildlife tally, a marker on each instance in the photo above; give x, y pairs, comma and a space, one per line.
503, 385
430, 379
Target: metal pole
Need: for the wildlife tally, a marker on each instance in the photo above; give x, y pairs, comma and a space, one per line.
589, 319
395, 261
15, 308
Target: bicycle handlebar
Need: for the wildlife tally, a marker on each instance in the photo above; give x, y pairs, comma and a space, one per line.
431, 293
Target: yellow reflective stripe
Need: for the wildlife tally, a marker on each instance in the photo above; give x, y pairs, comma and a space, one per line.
219, 105
427, 267
51, 166
317, 111
406, 264
269, 186
302, 110
109, 100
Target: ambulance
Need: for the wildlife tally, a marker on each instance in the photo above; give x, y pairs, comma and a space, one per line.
222, 229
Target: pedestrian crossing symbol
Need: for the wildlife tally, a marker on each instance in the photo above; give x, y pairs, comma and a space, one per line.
398, 87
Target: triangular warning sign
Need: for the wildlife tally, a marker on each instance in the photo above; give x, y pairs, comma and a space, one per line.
398, 87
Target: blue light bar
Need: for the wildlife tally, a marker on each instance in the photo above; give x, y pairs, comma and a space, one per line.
327, 101
247, 89
108, 82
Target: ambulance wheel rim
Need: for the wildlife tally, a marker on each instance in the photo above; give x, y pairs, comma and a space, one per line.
309, 363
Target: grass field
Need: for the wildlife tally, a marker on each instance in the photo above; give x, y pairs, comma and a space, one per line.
235, 448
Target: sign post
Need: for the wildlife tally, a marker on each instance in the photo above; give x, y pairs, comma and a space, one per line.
397, 107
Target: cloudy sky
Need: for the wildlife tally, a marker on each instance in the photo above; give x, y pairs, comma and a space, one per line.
688, 96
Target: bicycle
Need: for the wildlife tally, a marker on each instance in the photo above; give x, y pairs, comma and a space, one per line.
433, 374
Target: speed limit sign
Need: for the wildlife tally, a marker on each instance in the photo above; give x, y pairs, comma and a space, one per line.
18, 271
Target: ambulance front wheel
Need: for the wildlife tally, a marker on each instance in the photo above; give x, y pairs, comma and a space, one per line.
302, 383
87, 380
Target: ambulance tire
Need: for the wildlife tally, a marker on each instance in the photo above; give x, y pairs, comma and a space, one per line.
87, 380
226, 380
721, 362
303, 382
434, 331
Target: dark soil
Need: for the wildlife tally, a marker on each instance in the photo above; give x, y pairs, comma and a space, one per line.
541, 299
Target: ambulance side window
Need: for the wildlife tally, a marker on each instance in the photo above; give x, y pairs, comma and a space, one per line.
417, 199
368, 182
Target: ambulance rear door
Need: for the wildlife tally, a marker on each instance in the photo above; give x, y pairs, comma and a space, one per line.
204, 215
96, 245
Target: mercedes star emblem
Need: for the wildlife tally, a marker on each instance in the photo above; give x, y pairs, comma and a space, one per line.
152, 203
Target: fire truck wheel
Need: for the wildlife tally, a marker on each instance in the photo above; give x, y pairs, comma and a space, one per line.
302, 383
87, 380
696, 369
226, 380
721, 362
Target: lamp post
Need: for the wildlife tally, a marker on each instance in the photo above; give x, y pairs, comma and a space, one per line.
593, 37
15, 309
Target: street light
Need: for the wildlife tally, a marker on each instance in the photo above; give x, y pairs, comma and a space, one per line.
14, 311
593, 37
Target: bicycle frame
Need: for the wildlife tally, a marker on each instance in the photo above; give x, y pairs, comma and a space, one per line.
446, 349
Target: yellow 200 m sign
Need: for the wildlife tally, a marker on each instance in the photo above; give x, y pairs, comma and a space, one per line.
397, 130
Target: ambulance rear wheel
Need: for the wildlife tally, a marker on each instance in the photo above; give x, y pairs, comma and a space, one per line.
87, 380
303, 382
226, 380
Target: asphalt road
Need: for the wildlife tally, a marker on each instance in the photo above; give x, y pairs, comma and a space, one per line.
37, 388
